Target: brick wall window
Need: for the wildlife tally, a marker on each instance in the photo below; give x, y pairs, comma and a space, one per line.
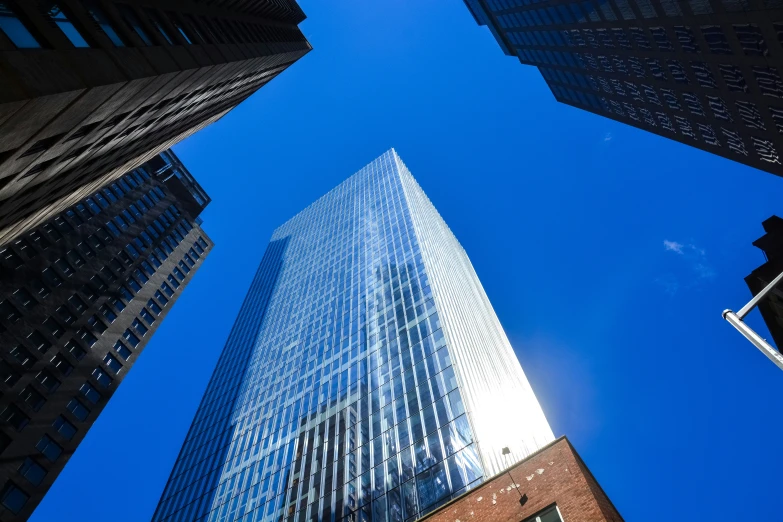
550, 514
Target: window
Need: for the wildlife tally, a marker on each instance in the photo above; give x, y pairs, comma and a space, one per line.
73, 348
15, 30
24, 298
131, 338
113, 228
102, 377
152, 305
64, 267
38, 341
12, 497
74, 258
86, 337
67, 317
148, 268
9, 312
160, 297
13, 416
7, 374
39, 240
89, 391
64, 428
550, 514
47, 380
22, 356
11, 258
61, 363
54, 328
126, 294
32, 398
140, 276
86, 250
40, 289
173, 281
184, 267
122, 350
49, 448
751, 40
108, 313
147, 316
116, 266
119, 305
96, 324
108, 274
32, 471
716, 40
76, 302
25, 248
51, 232
79, 410
134, 285
139, 327
106, 26
113, 364
57, 15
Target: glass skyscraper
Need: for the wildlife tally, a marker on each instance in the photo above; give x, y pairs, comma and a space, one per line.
366, 377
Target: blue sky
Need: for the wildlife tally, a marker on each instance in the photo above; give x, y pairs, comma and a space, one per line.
607, 252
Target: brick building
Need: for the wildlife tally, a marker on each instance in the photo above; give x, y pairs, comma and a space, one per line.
91, 89
551, 485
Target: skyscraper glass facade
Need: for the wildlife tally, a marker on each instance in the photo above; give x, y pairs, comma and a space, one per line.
366, 377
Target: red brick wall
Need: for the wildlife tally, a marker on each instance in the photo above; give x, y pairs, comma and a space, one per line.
554, 474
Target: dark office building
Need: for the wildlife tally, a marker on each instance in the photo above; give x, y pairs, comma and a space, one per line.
90, 89
771, 308
80, 296
706, 73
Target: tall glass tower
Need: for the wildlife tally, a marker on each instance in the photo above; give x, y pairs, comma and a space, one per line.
366, 378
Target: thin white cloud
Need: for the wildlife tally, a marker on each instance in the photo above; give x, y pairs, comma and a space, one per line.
672, 246
695, 257
608, 137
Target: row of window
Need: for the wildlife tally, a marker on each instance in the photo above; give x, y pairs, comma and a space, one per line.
764, 149
15, 417
767, 79
52, 232
749, 36
608, 10
151, 26
748, 112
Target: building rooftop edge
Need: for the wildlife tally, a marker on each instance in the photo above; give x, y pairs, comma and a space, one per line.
388, 152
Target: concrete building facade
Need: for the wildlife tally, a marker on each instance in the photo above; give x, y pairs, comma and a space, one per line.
707, 73
80, 297
91, 89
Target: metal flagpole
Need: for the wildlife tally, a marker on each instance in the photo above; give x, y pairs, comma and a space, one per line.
736, 320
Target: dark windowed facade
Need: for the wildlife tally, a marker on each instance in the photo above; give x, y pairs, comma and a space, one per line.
707, 73
91, 89
771, 307
360, 380
71, 328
